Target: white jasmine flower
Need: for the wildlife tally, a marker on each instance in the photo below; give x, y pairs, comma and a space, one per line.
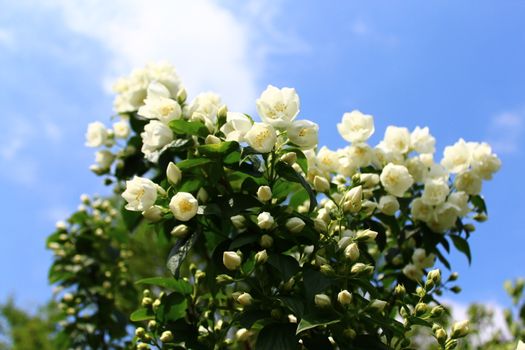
103, 160
96, 135
204, 108
378, 304
180, 230
261, 137
265, 220
469, 182
121, 129
156, 135
388, 205
444, 218
460, 201
236, 126
413, 272
435, 192
303, 133
140, 194
397, 139
457, 158
417, 169
422, 141
356, 126
327, 160
184, 206
396, 179
484, 162
360, 154
153, 213
238, 221
344, 297
278, 107
421, 211
158, 105
421, 259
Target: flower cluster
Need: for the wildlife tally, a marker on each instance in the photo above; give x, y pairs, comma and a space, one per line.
276, 238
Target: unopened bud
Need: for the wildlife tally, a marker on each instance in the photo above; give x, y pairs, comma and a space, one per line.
480, 217
321, 184
212, 140
152, 324
290, 158
295, 225
166, 337
456, 289
322, 300
223, 279
222, 112
453, 276
245, 299
231, 260
366, 235
460, 329
182, 95
173, 173
469, 228
140, 332
379, 305
146, 301
264, 193
421, 309
266, 241
320, 225
400, 290
441, 335
353, 200
238, 221
358, 268
265, 220
434, 276
156, 304
344, 297
261, 257
437, 311
180, 231
153, 214
326, 269
352, 252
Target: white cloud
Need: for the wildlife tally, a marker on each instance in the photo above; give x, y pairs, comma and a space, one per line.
211, 47
6, 38
505, 131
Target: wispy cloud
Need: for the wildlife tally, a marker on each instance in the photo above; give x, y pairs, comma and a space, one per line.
506, 131
6, 38
361, 28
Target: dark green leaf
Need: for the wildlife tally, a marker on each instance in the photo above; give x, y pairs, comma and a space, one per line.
142, 314
172, 308
284, 264
178, 253
462, 245
219, 149
192, 163
312, 321
287, 172
277, 336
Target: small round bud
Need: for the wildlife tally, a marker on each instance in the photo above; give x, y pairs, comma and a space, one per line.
245, 299
366, 235
143, 346
231, 260
266, 241
321, 184
295, 225
400, 290
264, 193
326, 269
456, 289
146, 301
352, 252
350, 333
238, 221
344, 297
181, 96
437, 311
322, 300
180, 231
152, 324
261, 257
222, 112
460, 329
379, 305
140, 332
265, 220
212, 140
156, 304
166, 337
358, 268
421, 309
173, 173
289, 158
453, 276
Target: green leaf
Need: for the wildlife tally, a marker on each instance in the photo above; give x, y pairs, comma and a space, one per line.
284, 264
191, 185
181, 126
178, 253
287, 172
479, 204
142, 314
179, 286
301, 158
462, 245
312, 321
172, 308
219, 149
243, 239
277, 336
192, 163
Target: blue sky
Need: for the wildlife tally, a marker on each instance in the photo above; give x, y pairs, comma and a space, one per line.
457, 67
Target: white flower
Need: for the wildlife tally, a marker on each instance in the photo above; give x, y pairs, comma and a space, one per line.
388, 205
140, 193
303, 133
413, 272
184, 206
396, 179
356, 126
353, 199
173, 173
231, 260
484, 162
435, 192
96, 134
379, 305
278, 107
156, 135
421, 211
245, 299
417, 169
422, 141
236, 126
261, 137
344, 297
327, 160
460, 201
121, 129
295, 225
397, 139
159, 106
265, 220
457, 158
360, 154
469, 182
264, 193
104, 159
444, 218
204, 108
421, 259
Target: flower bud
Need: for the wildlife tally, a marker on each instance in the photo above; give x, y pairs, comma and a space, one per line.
456, 289
238, 221
480, 217
434, 276
289, 284
350, 333
152, 324
223, 279
453, 276
173, 173
437, 311
140, 332
353, 200
289, 158
295, 225
143, 346
469, 228
421, 309
366, 235
146, 301
326, 269
245, 299
61, 225
379, 305
156, 304
68, 297
400, 290
202, 195
166, 337
212, 140
222, 112
231, 260
441, 335
460, 329
320, 225
321, 184
265, 220
264, 193
322, 300
180, 231
352, 252
243, 335
181, 96
266, 241
344, 297
153, 214
261, 257
358, 268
